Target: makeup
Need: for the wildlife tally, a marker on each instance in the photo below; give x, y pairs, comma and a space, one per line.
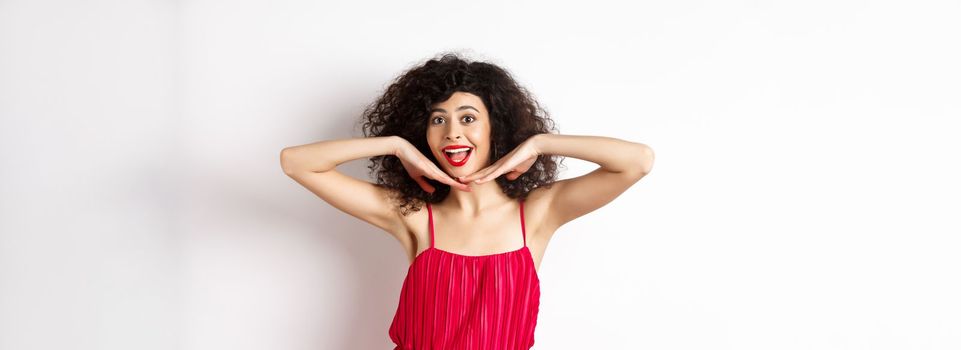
457, 155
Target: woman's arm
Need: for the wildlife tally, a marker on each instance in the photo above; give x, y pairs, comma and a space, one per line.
622, 164
322, 156
613, 155
314, 167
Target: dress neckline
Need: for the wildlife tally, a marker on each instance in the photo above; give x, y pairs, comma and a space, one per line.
430, 220
473, 256
537, 274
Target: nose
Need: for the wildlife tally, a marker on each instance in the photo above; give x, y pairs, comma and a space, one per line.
453, 133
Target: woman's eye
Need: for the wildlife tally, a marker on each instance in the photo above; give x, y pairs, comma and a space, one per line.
466, 118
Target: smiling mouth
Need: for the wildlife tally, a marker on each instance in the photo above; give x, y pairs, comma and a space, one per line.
458, 157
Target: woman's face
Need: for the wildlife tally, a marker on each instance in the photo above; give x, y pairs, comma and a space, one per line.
462, 120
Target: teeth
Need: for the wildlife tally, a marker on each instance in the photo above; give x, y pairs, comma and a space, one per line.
458, 150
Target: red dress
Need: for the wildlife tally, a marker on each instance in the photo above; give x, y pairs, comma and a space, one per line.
453, 301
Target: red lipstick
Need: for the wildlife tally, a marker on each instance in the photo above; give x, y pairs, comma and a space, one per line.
450, 149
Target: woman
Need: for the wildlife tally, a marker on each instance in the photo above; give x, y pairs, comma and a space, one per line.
466, 141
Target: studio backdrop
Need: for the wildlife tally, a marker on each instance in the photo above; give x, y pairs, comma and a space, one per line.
805, 194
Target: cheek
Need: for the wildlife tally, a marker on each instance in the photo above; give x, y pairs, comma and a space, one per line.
480, 137
434, 141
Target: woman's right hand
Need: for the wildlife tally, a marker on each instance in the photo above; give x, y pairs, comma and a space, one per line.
419, 167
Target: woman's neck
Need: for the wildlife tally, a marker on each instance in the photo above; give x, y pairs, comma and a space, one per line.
473, 204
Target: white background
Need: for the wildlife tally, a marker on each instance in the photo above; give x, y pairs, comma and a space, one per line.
805, 193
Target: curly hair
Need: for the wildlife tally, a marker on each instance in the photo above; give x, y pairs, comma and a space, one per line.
403, 109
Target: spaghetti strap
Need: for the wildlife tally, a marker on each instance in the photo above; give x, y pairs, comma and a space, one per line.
430, 221
523, 230
458, 301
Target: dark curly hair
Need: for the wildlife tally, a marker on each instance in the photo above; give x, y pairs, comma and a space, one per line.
405, 105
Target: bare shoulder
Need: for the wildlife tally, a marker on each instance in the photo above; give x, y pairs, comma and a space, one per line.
414, 235
537, 216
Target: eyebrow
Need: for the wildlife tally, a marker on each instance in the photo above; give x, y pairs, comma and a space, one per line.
458, 108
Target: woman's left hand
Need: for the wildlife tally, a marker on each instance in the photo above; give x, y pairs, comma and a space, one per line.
514, 164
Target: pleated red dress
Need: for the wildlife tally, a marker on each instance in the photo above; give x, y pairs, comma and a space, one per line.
462, 302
